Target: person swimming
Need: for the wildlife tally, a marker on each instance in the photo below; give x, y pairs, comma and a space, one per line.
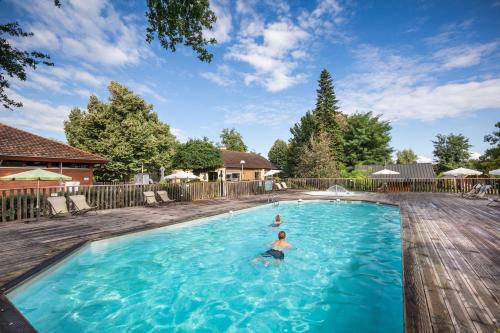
277, 249
277, 221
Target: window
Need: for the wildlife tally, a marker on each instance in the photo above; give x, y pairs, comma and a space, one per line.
232, 177
75, 165
23, 164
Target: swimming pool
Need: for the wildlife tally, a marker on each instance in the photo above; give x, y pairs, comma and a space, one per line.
345, 275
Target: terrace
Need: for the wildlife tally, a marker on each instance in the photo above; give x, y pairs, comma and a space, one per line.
450, 249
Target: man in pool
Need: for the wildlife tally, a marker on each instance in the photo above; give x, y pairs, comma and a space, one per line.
276, 250
277, 221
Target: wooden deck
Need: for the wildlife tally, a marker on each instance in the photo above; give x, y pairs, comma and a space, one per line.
451, 253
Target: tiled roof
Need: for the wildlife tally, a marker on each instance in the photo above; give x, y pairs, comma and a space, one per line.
16, 144
415, 170
252, 161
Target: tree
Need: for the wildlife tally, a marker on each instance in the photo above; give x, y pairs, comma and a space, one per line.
173, 22
125, 130
278, 154
199, 155
406, 156
315, 161
328, 115
301, 134
366, 140
450, 151
490, 160
232, 140
14, 62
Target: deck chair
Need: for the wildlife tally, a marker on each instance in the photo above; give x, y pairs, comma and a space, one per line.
383, 188
164, 197
482, 192
58, 206
475, 190
283, 184
150, 199
278, 186
80, 205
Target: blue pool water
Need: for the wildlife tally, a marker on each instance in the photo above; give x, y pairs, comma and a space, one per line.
344, 276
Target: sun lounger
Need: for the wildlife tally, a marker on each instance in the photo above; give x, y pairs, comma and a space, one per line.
278, 186
150, 199
482, 192
58, 206
283, 184
164, 197
80, 205
475, 190
383, 188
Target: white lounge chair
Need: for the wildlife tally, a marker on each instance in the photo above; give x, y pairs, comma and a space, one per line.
475, 190
164, 197
58, 206
482, 192
278, 186
150, 199
80, 205
283, 184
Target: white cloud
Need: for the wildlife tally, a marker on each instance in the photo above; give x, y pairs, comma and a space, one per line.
475, 155
221, 30
423, 159
271, 59
145, 89
36, 115
400, 87
465, 55
90, 31
224, 76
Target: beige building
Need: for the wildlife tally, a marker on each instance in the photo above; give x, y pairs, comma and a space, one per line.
240, 166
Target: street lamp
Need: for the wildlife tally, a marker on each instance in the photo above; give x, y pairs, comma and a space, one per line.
242, 162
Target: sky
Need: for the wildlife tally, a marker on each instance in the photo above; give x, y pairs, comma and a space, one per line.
428, 67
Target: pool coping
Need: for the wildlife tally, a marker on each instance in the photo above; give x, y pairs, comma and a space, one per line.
11, 319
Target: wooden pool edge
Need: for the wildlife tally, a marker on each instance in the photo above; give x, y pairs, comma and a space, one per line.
13, 321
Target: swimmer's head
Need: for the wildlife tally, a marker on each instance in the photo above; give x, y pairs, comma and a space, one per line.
278, 218
281, 235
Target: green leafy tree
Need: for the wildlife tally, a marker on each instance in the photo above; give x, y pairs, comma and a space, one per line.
125, 130
406, 156
366, 140
315, 161
490, 160
14, 62
451, 151
301, 134
172, 22
199, 155
232, 140
328, 115
278, 154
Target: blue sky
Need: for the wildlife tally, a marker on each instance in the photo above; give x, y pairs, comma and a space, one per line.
427, 66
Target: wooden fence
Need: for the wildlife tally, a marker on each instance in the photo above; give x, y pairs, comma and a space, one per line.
20, 204
397, 184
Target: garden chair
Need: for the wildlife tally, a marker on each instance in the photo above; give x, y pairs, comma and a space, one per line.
475, 190
150, 199
482, 192
278, 186
163, 195
80, 205
58, 206
283, 184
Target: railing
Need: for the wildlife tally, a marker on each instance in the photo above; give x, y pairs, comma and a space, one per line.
397, 184
20, 204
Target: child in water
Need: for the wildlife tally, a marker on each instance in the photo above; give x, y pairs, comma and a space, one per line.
277, 221
276, 250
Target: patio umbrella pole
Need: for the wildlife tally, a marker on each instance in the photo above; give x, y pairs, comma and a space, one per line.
37, 198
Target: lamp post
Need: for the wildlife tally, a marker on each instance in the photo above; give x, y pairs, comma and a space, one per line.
242, 162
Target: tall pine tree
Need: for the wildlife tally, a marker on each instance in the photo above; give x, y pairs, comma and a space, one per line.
328, 115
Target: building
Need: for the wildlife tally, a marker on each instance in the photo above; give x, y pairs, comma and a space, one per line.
252, 165
22, 151
406, 171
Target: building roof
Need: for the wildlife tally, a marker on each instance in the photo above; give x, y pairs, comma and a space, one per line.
232, 159
415, 170
16, 144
